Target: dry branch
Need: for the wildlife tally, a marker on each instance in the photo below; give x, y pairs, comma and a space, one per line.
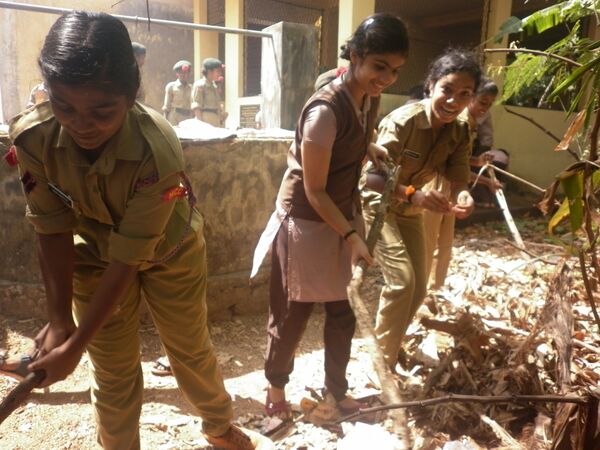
549, 133
562, 324
533, 52
389, 387
20, 393
481, 399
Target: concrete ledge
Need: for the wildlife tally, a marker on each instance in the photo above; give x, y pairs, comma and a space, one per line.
236, 184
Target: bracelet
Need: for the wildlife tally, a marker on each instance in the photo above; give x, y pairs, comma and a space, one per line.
349, 233
409, 192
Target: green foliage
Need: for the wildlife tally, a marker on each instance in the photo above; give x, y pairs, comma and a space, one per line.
531, 74
569, 69
566, 80
544, 19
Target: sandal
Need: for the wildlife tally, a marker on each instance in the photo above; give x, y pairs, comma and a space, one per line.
281, 409
347, 405
161, 367
16, 369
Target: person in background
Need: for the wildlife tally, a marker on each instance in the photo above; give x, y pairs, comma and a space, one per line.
316, 233
207, 102
482, 132
139, 53
38, 94
423, 139
178, 94
415, 94
114, 217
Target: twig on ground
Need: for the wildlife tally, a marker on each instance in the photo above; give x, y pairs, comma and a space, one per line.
460, 398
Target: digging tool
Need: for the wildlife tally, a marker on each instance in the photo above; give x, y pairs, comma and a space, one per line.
389, 387
504, 207
19, 393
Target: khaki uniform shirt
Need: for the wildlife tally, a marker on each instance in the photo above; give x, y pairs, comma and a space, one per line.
406, 133
115, 205
485, 131
178, 99
205, 95
206, 98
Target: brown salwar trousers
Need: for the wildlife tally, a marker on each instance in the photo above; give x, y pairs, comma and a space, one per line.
288, 320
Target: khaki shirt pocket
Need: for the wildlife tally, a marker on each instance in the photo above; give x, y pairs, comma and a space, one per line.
410, 163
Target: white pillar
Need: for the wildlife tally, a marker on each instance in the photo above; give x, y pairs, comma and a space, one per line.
351, 14
499, 12
206, 43
234, 61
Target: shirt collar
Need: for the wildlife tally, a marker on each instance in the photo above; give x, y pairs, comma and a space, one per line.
127, 144
423, 119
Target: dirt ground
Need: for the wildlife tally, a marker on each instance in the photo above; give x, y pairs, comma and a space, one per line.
63, 417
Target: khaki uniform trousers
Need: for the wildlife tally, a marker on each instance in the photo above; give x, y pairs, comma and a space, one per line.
174, 117
175, 294
400, 253
439, 234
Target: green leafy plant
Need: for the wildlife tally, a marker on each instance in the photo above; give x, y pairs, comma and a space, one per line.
571, 66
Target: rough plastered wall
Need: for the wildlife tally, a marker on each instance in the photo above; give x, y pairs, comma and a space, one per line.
236, 183
22, 34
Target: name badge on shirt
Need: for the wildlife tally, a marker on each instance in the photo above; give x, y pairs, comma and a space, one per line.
411, 154
60, 194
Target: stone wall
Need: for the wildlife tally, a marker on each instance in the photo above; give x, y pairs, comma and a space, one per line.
235, 182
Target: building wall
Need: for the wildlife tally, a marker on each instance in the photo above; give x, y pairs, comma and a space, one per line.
235, 182
23, 34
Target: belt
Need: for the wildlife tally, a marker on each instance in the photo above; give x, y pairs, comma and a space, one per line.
183, 111
212, 110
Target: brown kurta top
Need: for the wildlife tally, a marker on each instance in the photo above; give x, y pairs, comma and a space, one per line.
318, 259
349, 149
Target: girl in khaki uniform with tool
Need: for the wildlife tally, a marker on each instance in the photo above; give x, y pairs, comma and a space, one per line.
423, 139
106, 194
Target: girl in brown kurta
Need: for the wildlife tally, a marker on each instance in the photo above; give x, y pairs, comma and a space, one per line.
316, 232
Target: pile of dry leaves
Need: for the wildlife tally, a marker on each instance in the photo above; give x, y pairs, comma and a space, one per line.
509, 324
492, 355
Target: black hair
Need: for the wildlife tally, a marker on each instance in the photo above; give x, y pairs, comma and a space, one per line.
451, 61
90, 48
417, 92
487, 86
138, 49
378, 34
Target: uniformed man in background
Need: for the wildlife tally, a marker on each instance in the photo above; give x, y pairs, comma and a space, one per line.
207, 101
178, 94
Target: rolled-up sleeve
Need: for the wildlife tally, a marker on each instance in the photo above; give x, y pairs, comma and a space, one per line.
197, 96
393, 137
45, 211
144, 223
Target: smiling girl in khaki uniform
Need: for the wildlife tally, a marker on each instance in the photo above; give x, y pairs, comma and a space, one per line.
424, 139
103, 181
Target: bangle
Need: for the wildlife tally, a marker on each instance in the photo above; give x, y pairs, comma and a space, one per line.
349, 233
409, 192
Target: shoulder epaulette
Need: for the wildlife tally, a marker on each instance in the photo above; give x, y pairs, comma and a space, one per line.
28, 119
